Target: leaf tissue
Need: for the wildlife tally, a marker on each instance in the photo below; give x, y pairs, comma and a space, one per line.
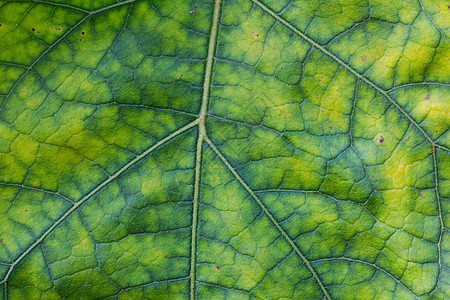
225, 149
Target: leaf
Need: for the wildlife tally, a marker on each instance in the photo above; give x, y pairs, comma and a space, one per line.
207, 150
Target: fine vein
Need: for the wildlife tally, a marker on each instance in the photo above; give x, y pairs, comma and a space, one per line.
201, 137
269, 215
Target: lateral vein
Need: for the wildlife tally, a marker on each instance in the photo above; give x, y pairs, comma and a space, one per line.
94, 191
269, 215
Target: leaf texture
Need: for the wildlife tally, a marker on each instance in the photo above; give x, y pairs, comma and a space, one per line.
235, 149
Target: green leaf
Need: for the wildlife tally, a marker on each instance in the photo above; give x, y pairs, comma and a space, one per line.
233, 149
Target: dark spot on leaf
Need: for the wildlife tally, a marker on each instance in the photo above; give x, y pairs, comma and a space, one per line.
381, 140
421, 194
257, 35
32, 29
437, 131
80, 40
26, 115
38, 32
282, 68
1, 240
427, 96
363, 58
36, 187
26, 209
192, 12
217, 267
373, 177
331, 127
83, 33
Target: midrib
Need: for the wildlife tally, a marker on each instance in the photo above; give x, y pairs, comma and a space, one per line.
201, 138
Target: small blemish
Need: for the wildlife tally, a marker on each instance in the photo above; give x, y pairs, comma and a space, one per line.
26, 115
36, 187
381, 140
427, 96
32, 29
26, 209
437, 131
421, 194
257, 35
192, 12
38, 32
80, 40
217, 267
282, 68
373, 177
83, 33
363, 58
1, 240
331, 127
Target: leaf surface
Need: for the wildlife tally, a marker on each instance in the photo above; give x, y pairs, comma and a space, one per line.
224, 149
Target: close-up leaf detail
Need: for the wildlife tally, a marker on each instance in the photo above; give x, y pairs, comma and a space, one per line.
225, 149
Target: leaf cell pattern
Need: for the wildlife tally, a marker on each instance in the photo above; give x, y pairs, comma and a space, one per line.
224, 149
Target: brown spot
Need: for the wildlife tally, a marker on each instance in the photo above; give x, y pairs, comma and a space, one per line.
373, 177
437, 131
257, 35
36, 187
427, 96
381, 140
38, 32
26, 209
26, 115
32, 29
282, 68
421, 194
1, 240
217, 267
80, 40
331, 127
83, 33
363, 58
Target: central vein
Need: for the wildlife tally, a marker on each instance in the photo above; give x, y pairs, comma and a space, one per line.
201, 137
